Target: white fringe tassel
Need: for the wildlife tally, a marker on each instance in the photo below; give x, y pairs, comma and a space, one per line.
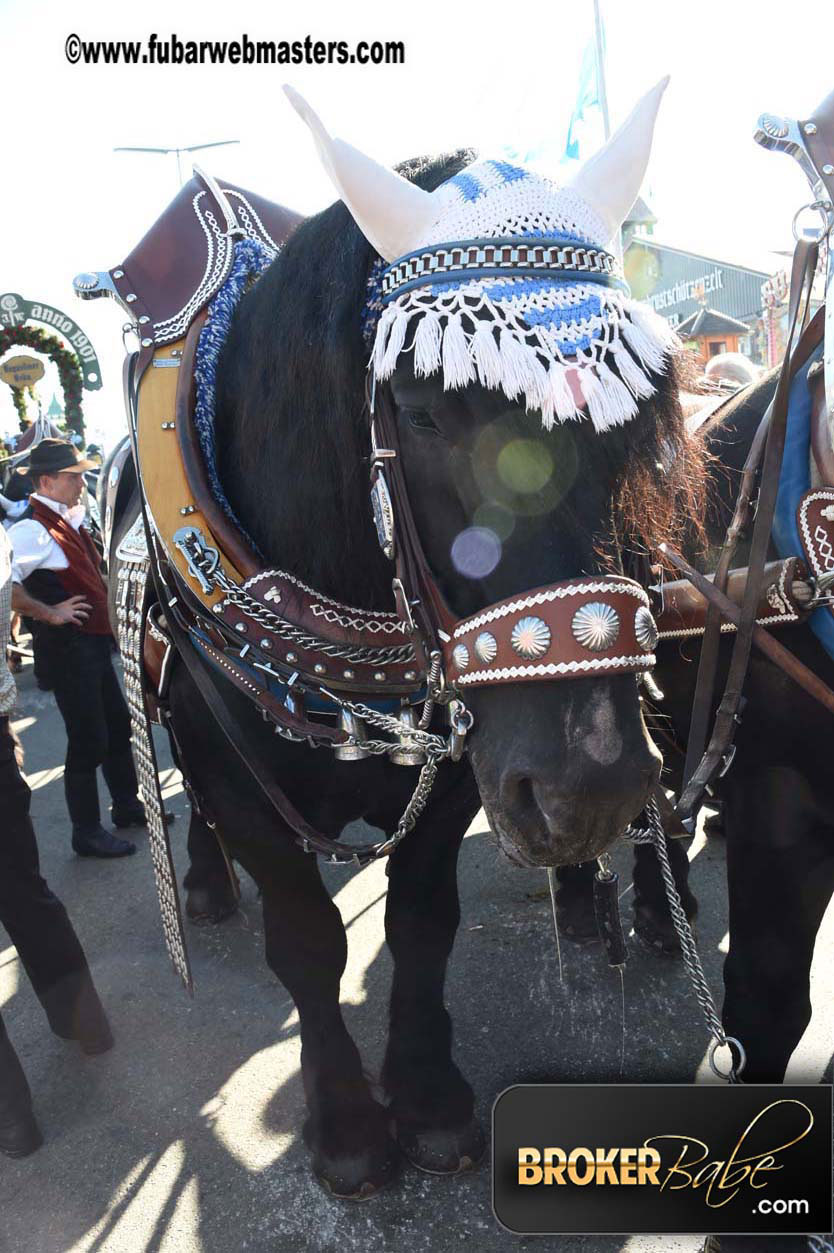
486, 356
498, 357
396, 339
630, 372
427, 341
648, 336
458, 368
610, 403
562, 395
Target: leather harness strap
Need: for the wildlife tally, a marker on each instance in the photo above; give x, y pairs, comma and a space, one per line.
708, 662
701, 770
249, 753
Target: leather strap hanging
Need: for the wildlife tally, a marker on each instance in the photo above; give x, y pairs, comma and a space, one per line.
771, 435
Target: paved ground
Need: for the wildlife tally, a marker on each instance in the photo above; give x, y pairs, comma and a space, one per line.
185, 1137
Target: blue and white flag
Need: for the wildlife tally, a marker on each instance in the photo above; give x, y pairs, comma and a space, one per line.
588, 98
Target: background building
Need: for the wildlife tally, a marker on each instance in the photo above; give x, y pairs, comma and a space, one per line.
716, 306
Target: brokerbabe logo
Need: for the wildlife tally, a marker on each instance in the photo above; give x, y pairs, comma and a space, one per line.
662, 1158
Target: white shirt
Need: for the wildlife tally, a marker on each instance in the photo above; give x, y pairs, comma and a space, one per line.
34, 548
12, 509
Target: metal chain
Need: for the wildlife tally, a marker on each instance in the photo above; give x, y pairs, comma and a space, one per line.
311, 643
656, 836
415, 806
436, 747
434, 744
205, 560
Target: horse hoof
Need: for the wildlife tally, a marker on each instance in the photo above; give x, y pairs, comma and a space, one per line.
658, 934
207, 906
360, 1177
579, 929
444, 1150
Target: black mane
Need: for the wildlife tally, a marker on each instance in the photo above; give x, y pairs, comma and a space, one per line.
290, 396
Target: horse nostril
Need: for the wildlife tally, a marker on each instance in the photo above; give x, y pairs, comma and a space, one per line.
517, 793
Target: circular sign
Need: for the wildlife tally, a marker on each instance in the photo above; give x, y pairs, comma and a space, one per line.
21, 371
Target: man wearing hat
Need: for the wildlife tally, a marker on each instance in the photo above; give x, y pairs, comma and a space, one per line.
58, 583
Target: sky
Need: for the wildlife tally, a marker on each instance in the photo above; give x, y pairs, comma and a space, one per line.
498, 78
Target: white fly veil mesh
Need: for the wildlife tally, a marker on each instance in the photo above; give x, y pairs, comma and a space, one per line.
548, 339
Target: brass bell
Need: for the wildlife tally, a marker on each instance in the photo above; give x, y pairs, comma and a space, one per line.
355, 728
407, 753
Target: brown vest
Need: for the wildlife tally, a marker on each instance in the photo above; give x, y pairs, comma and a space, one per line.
83, 574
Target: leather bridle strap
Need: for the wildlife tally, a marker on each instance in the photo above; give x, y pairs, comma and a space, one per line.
775, 425
776, 652
255, 761
591, 626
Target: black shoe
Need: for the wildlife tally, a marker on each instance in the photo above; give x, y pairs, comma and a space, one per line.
101, 843
132, 814
20, 1136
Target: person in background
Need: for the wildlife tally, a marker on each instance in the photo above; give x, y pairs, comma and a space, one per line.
37, 923
57, 581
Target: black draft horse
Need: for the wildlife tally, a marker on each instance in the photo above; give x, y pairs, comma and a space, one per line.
777, 799
561, 768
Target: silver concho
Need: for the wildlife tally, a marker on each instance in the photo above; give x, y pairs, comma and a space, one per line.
383, 515
774, 126
530, 638
460, 656
486, 647
596, 626
645, 629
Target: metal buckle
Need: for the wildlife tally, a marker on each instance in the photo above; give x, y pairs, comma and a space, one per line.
403, 604
461, 722
729, 757
203, 563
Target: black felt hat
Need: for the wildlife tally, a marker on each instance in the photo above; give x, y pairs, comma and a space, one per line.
52, 456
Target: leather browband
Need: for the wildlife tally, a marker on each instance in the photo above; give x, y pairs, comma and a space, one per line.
577, 627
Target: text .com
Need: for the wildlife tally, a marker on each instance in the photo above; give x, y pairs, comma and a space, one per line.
172, 50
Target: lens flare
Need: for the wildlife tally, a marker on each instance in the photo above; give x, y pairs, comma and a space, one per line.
525, 465
495, 517
476, 552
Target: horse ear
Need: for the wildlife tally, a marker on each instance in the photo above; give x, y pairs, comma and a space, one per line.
390, 212
610, 181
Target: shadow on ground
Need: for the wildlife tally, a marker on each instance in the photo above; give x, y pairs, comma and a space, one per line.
187, 1135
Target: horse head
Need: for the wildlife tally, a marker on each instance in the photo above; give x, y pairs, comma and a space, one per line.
537, 428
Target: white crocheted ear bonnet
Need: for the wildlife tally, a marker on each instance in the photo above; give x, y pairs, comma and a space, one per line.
504, 279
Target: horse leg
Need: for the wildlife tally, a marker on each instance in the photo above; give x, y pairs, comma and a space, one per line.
306, 947
652, 919
431, 1102
780, 863
210, 894
781, 874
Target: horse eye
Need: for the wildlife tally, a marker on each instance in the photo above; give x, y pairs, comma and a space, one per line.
422, 420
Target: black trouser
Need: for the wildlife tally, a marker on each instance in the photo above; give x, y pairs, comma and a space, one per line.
39, 928
98, 725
